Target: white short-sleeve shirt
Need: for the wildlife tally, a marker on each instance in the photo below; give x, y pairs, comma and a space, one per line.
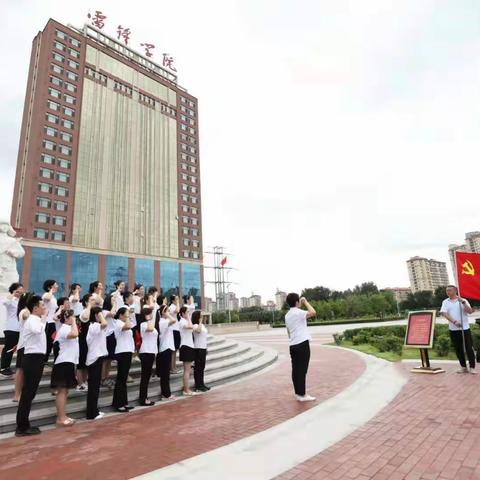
96, 342
69, 350
77, 306
296, 323
11, 305
124, 338
456, 310
172, 310
34, 338
51, 307
186, 334
149, 340
200, 337
166, 335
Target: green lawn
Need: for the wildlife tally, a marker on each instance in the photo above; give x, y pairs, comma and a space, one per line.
408, 353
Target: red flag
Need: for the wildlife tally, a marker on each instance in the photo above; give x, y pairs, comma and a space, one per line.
223, 262
468, 274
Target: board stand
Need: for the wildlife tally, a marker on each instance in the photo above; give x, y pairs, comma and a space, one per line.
426, 368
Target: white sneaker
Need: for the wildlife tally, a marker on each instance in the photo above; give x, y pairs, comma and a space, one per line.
99, 416
305, 398
102, 414
472, 371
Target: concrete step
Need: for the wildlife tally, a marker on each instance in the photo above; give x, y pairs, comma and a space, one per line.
214, 356
246, 359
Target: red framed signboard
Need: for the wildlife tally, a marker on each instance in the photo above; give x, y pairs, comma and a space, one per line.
420, 329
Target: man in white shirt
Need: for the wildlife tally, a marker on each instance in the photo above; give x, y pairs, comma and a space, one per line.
50, 287
296, 323
12, 327
35, 345
456, 310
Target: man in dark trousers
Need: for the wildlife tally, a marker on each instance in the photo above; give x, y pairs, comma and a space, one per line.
456, 310
296, 323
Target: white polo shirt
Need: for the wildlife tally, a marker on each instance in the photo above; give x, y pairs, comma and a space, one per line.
34, 338
456, 310
166, 335
110, 322
186, 334
172, 310
124, 338
136, 304
117, 300
76, 304
96, 342
149, 340
51, 307
69, 350
296, 323
200, 337
190, 309
11, 322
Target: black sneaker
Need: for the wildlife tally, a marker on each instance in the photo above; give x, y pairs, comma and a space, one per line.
202, 389
27, 432
6, 372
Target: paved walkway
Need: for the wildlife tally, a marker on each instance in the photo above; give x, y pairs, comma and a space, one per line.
430, 431
121, 447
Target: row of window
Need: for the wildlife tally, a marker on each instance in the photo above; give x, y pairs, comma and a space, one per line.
50, 117
188, 148
63, 48
187, 254
186, 188
189, 158
187, 120
187, 209
189, 168
59, 83
51, 174
42, 234
188, 129
186, 198
193, 232
61, 59
191, 243
190, 220
56, 220
47, 203
187, 111
69, 112
60, 70
63, 149
189, 178
187, 138
53, 92
63, 36
121, 87
53, 132
188, 102
100, 77
48, 188
51, 160
146, 99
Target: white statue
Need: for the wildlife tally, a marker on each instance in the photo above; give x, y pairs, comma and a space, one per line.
10, 250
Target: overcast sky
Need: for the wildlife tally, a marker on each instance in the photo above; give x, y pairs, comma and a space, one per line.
338, 138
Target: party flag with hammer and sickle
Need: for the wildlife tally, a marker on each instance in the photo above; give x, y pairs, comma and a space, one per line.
468, 274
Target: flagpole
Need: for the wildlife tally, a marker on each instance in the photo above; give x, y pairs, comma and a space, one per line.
461, 314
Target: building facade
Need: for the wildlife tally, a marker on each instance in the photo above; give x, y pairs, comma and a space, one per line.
426, 274
255, 301
108, 177
400, 294
471, 244
280, 299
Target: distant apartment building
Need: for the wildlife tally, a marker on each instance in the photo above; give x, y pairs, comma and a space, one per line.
399, 294
243, 302
471, 244
271, 305
255, 301
426, 274
280, 299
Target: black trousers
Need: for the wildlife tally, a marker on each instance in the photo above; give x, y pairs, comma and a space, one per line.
300, 355
456, 337
146, 360
11, 339
120, 395
49, 329
32, 373
94, 378
199, 368
164, 362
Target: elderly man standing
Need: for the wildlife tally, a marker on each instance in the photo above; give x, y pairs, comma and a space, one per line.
456, 310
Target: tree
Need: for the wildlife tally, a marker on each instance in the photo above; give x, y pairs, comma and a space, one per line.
317, 294
366, 288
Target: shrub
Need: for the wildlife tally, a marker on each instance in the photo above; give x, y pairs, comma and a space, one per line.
389, 343
338, 338
362, 337
442, 345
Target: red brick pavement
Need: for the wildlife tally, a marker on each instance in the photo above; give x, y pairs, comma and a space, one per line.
431, 431
123, 446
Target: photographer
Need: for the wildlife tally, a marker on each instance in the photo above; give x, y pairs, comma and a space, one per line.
296, 323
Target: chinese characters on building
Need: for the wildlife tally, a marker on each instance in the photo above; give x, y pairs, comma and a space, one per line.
123, 33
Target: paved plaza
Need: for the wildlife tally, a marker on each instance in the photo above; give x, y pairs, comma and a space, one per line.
372, 420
